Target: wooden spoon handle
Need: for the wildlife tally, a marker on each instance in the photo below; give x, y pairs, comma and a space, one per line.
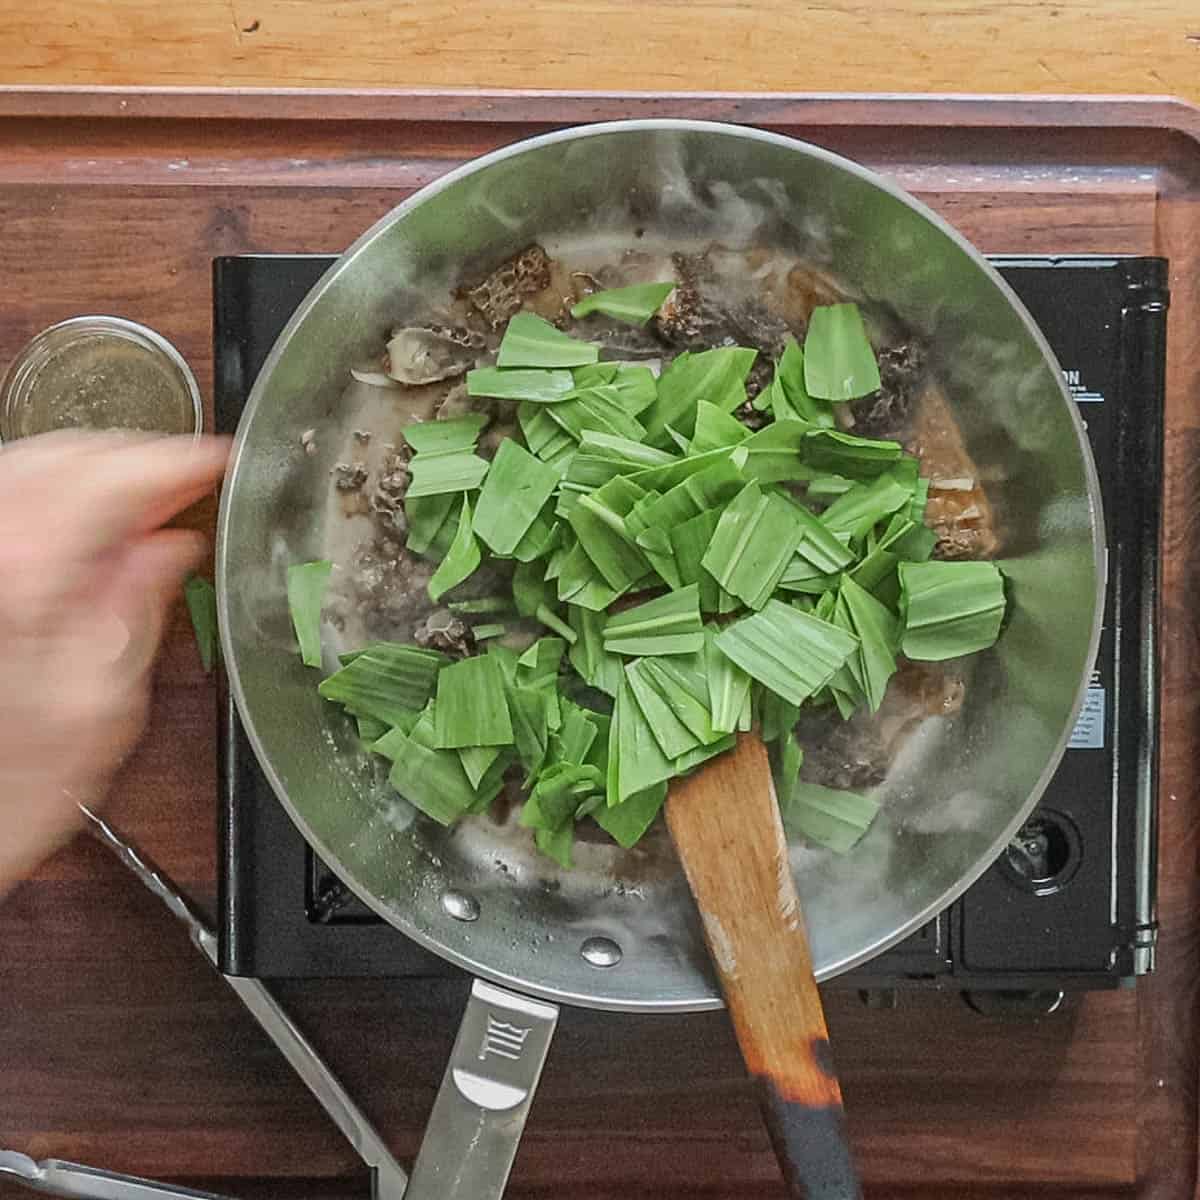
811, 1146
725, 823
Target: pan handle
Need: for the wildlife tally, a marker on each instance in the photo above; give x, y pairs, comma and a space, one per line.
485, 1097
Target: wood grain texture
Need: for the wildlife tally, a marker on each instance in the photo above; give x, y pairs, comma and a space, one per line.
851, 45
724, 822
1174, 998
117, 1045
725, 825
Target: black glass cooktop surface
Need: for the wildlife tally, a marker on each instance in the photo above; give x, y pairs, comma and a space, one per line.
1068, 905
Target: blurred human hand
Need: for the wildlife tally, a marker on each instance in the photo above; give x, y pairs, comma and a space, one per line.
87, 579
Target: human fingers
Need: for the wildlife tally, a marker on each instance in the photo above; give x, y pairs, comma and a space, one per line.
87, 684
57, 442
37, 816
97, 492
136, 487
142, 589
63, 517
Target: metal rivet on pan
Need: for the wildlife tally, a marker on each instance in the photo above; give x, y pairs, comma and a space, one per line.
460, 906
601, 952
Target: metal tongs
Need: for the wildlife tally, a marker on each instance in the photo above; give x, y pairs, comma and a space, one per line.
56, 1178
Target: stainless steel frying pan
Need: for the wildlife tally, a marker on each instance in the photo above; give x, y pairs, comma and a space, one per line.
620, 932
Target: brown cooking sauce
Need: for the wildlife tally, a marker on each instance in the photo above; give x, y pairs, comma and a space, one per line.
959, 510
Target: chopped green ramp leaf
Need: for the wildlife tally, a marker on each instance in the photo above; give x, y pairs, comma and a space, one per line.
600, 409
715, 429
528, 711
754, 541
689, 543
530, 386
201, 598
552, 620
636, 760
482, 604
669, 624
556, 844
677, 715
387, 681
634, 305
839, 363
306, 583
949, 608
877, 630
792, 653
444, 437
531, 341
461, 559
516, 488
476, 760
599, 523
834, 819
774, 453
435, 474
830, 450
433, 781
728, 686
530, 588
544, 436
426, 515
471, 707
595, 665
602, 455
866, 504
718, 376
789, 396
626, 823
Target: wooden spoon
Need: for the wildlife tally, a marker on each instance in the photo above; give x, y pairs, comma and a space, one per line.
725, 823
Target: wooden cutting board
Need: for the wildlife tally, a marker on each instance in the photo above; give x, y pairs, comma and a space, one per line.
117, 1047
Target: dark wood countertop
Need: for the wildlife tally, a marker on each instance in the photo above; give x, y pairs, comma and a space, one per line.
119, 1047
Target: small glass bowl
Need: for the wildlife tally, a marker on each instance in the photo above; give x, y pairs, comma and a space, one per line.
98, 372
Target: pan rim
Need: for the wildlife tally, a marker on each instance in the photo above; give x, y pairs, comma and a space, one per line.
712, 1000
